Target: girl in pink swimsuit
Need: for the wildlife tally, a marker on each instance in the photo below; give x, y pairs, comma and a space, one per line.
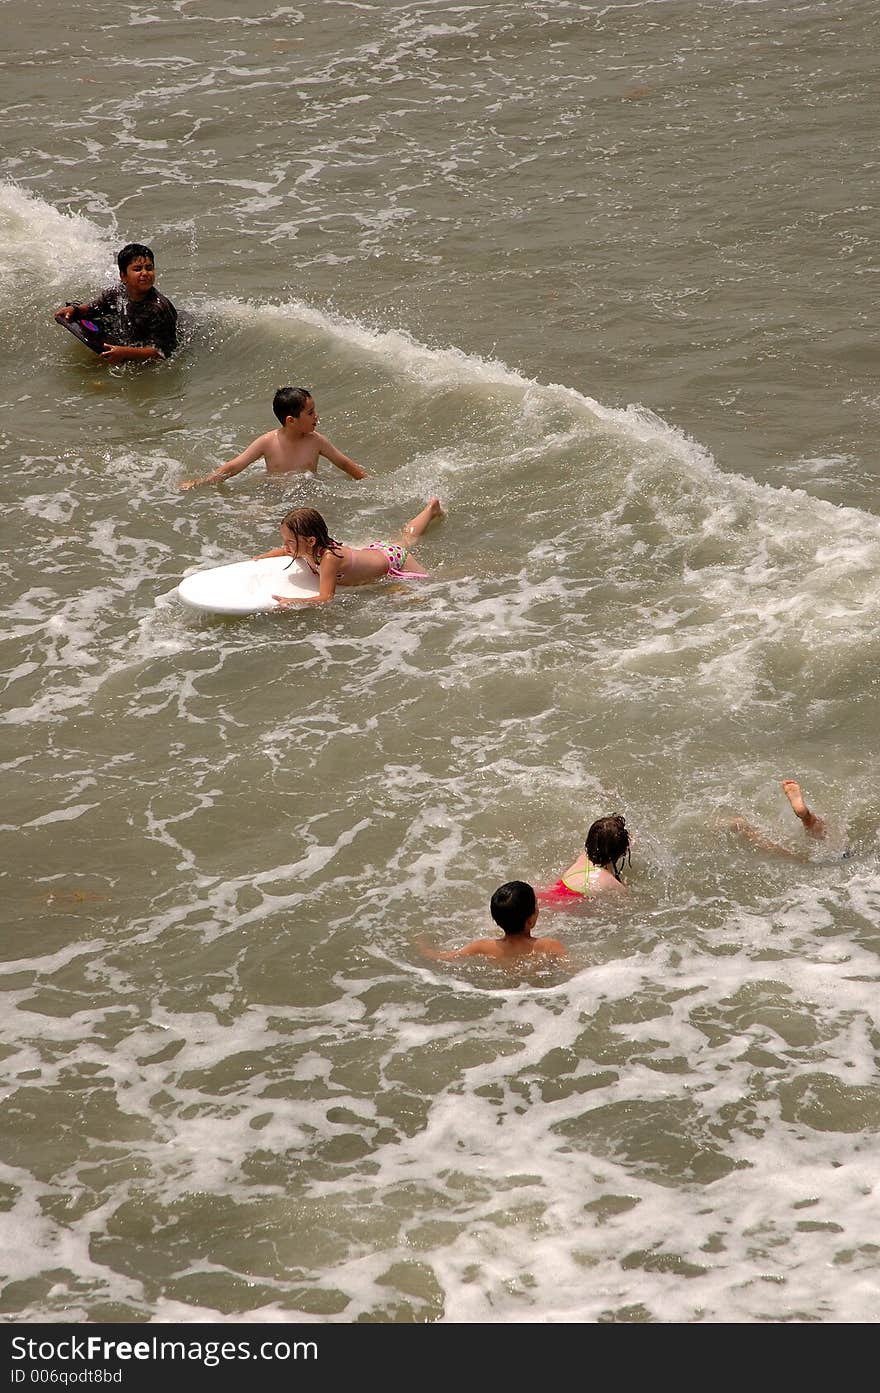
306, 537
597, 869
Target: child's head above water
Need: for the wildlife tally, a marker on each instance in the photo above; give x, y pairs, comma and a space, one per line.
290, 401
608, 842
513, 905
133, 251
305, 531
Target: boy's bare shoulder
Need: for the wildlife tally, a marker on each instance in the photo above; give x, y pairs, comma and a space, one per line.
258, 447
487, 947
270, 438
551, 947
505, 948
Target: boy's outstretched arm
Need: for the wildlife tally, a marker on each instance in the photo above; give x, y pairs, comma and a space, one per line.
254, 451
341, 461
130, 353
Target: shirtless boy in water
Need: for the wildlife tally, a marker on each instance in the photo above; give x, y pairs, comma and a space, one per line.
292, 449
515, 910
813, 825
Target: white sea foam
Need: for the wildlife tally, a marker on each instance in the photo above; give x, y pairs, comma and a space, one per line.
242, 1037
42, 248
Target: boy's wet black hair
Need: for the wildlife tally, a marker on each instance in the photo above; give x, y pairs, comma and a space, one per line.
289, 401
512, 905
608, 842
130, 252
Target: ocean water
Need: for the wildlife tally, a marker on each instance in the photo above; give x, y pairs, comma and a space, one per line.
600, 276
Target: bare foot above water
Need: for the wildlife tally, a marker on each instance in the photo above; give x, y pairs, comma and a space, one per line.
812, 824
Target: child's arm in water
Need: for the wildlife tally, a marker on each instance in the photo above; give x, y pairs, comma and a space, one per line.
256, 450
328, 572
70, 311
131, 353
336, 457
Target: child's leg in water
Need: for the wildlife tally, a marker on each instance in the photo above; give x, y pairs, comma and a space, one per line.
813, 826
416, 528
752, 834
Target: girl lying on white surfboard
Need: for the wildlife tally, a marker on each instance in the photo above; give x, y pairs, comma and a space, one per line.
307, 539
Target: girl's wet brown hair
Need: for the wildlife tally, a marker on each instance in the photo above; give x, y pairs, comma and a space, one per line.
608, 843
307, 522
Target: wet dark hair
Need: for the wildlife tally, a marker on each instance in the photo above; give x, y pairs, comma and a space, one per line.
512, 904
289, 401
608, 841
307, 522
130, 252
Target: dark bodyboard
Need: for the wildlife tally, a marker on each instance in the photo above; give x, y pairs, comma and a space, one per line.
87, 331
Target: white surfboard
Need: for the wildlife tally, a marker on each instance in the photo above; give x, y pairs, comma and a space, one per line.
247, 587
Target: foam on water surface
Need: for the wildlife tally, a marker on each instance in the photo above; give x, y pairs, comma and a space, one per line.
231, 835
